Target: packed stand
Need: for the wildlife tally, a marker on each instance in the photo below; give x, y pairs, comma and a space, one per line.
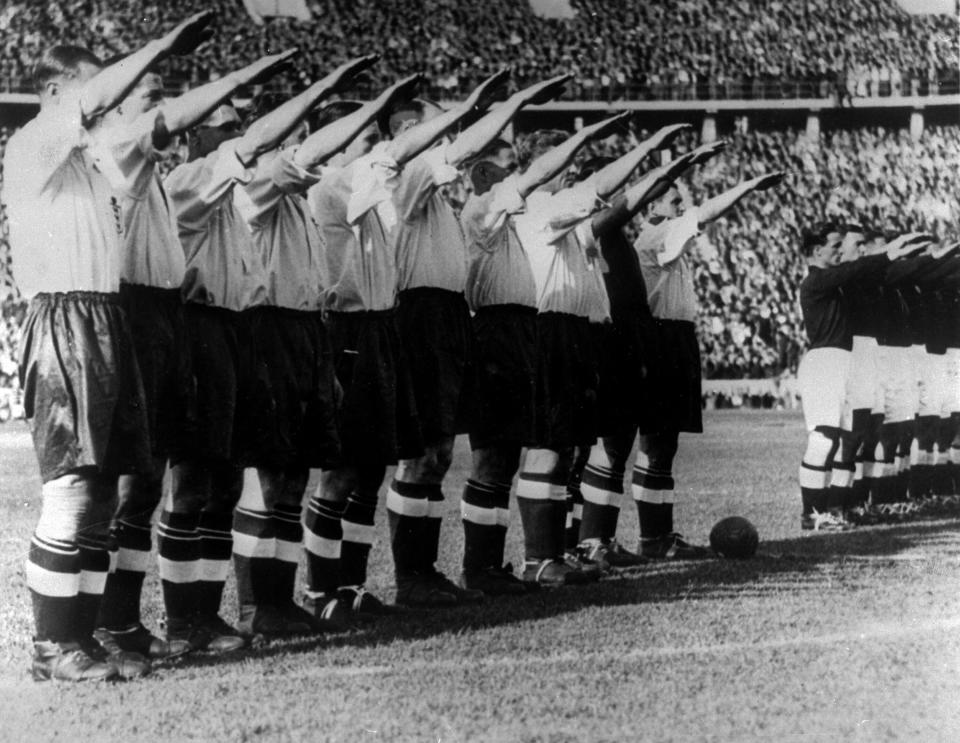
680, 49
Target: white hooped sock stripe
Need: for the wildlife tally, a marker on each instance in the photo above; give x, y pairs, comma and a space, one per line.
533, 489
51, 583
599, 497
577, 512
841, 478
178, 571
477, 515
646, 495
288, 551
435, 509
815, 479
92, 582
134, 561
358, 533
858, 470
327, 549
503, 517
212, 570
558, 493
404, 506
955, 454
260, 515
57, 546
246, 545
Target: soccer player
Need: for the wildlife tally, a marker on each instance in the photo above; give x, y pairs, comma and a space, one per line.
289, 334
437, 335
825, 369
138, 132
662, 246
556, 233
358, 217
624, 347
82, 390
225, 282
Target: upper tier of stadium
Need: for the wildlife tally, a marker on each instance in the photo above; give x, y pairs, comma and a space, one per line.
617, 49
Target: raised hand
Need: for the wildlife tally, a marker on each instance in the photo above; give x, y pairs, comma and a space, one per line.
546, 90
606, 127
763, 182
190, 34
484, 94
705, 152
349, 70
404, 89
665, 134
266, 67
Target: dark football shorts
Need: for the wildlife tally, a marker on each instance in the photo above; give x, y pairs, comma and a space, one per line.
438, 342
162, 349
565, 411
230, 385
81, 386
506, 343
298, 423
377, 417
676, 399
624, 395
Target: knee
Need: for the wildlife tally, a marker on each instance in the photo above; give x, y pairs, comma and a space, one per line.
659, 450
821, 448
226, 489
139, 496
495, 465
190, 487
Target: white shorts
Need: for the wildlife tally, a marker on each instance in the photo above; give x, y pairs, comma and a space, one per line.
822, 380
862, 386
898, 377
951, 402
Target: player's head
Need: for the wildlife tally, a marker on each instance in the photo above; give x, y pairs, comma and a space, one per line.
538, 144
146, 96
669, 206
496, 162
359, 145
821, 246
62, 71
591, 165
408, 114
220, 126
851, 246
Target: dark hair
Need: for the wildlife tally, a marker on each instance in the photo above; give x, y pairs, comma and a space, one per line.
61, 61
326, 115
813, 239
263, 103
392, 119
540, 142
592, 165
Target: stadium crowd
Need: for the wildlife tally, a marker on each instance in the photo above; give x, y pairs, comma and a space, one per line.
680, 49
749, 269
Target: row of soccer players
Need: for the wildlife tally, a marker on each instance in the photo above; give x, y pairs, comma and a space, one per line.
282, 303
881, 381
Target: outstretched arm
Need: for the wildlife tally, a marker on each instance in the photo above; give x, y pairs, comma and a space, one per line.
719, 205
326, 142
112, 84
415, 140
182, 112
472, 141
608, 180
269, 131
552, 162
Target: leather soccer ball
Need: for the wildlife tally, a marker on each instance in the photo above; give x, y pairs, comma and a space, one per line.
734, 537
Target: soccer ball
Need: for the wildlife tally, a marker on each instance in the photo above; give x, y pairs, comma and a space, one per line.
735, 537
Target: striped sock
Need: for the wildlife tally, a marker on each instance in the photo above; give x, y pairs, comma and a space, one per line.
216, 549
178, 552
653, 494
602, 489
322, 541
813, 487
574, 513
536, 514
121, 596
289, 535
479, 512
432, 527
358, 533
254, 545
408, 507
94, 567
53, 577
840, 492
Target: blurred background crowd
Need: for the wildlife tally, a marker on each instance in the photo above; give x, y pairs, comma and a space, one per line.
617, 49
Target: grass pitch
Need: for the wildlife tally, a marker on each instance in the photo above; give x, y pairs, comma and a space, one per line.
818, 638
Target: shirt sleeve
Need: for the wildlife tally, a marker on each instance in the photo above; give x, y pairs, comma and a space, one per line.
273, 178
134, 152
420, 179
373, 179
486, 214
677, 236
197, 188
567, 208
